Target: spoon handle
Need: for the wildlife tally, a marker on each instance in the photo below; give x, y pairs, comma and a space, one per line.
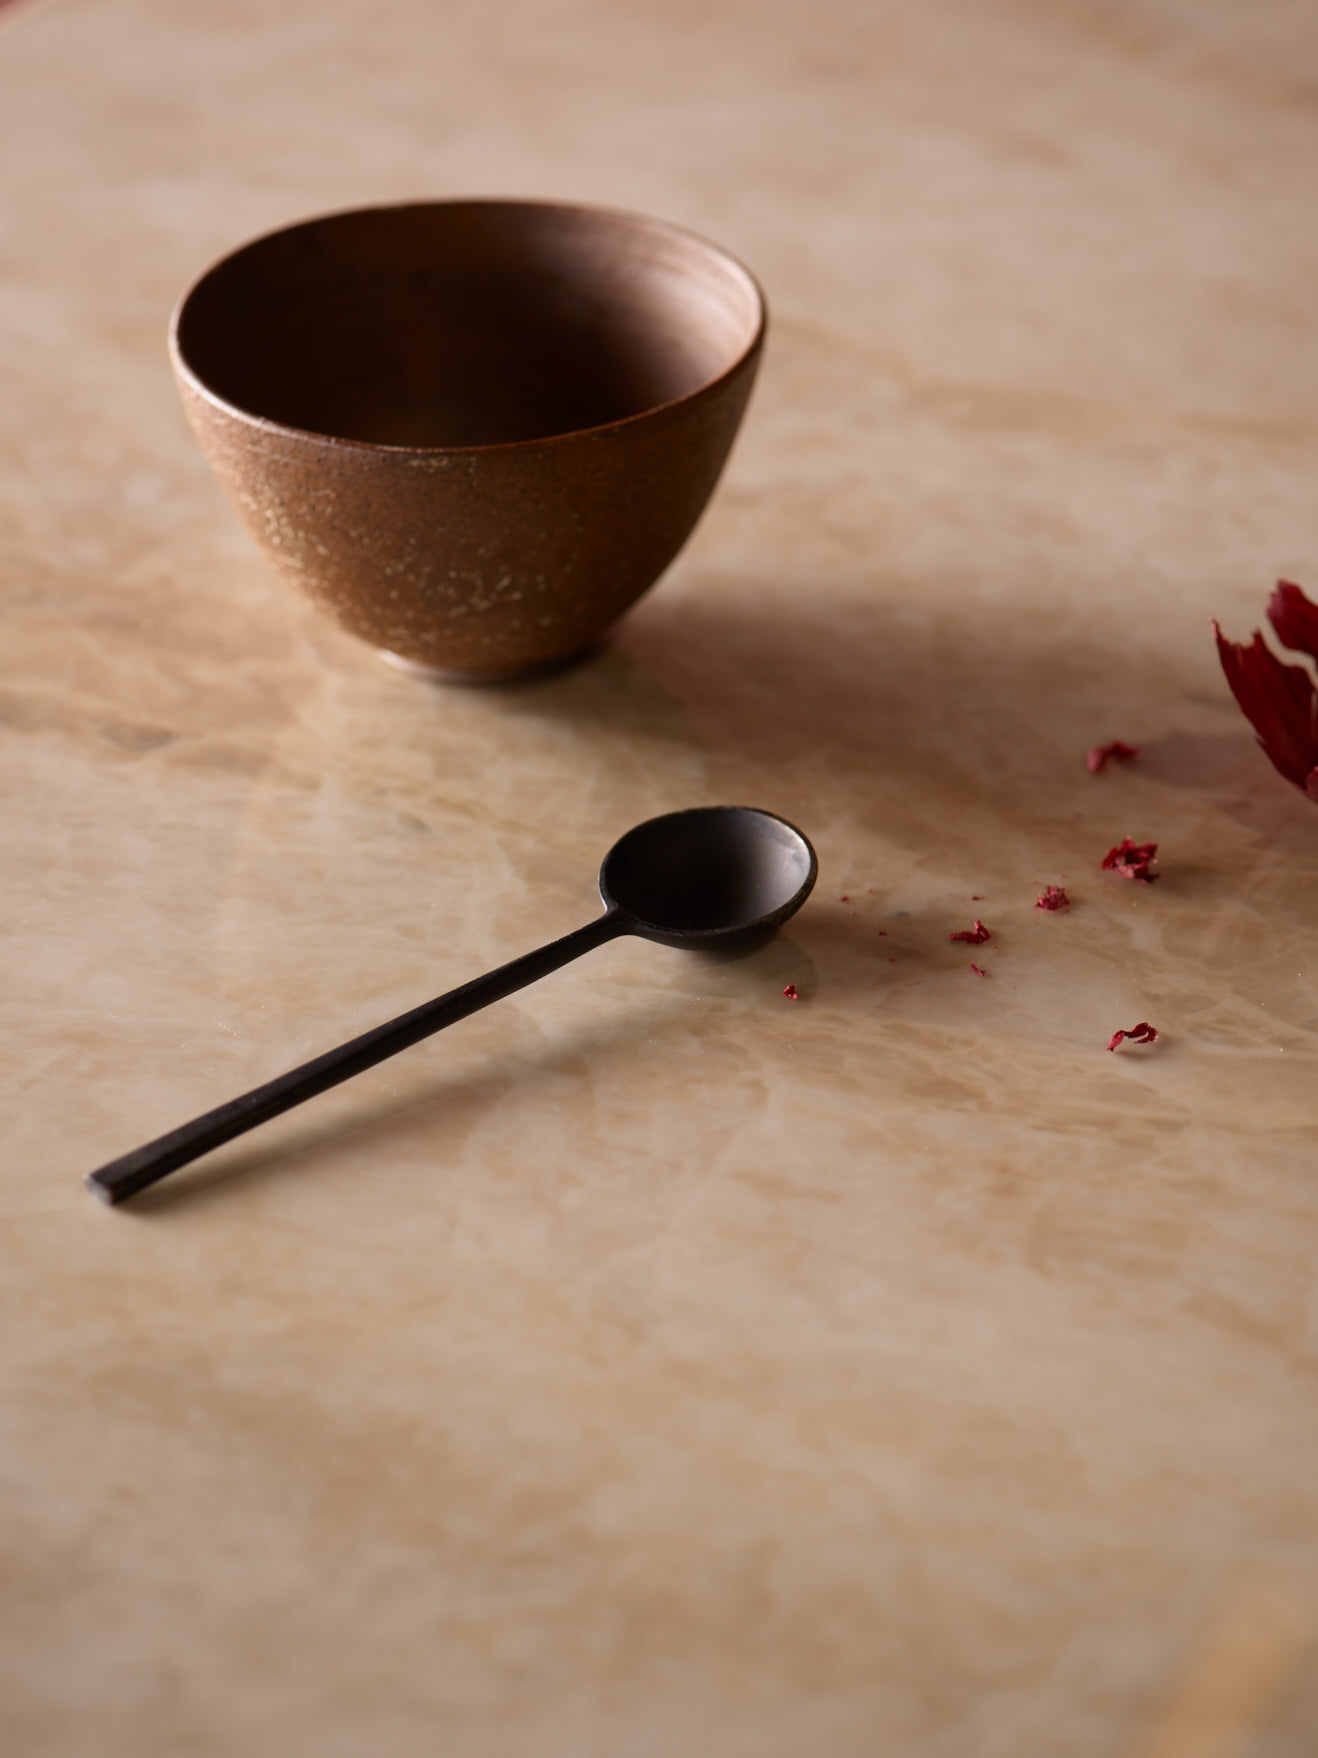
134, 1171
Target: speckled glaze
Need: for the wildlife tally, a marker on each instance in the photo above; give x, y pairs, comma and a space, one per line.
494, 335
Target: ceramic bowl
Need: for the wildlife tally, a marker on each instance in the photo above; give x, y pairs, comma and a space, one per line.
474, 432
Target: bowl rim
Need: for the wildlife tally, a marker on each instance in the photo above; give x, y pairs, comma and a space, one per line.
265, 423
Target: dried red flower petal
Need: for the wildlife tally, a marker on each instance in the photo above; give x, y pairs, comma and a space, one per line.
790, 992
1143, 1033
1279, 700
1294, 618
1102, 754
978, 972
1054, 898
975, 936
1132, 860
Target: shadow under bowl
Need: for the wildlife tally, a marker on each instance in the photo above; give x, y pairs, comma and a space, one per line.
474, 432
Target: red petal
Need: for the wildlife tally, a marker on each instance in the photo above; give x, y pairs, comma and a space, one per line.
1278, 701
975, 936
1054, 898
790, 993
1294, 618
1132, 860
1101, 754
977, 971
1143, 1033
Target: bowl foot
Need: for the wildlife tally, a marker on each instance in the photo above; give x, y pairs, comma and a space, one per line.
509, 675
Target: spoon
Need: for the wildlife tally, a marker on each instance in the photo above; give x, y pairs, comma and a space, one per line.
712, 876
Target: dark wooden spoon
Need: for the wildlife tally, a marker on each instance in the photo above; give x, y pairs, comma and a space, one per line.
709, 877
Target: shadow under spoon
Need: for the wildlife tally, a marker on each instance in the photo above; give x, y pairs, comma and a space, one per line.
710, 877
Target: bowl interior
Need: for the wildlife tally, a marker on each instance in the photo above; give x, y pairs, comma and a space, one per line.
466, 323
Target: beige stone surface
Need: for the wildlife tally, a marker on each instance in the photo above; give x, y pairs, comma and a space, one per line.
651, 1365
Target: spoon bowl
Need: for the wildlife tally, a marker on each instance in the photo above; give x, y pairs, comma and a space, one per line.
713, 876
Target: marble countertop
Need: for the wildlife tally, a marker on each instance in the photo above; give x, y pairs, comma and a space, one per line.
653, 1365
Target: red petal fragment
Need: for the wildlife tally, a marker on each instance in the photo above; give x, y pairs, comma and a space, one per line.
845, 898
1278, 701
791, 993
979, 973
1101, 754
1143, 1033
1294, 618
975, 936
1132, 860
1054, 898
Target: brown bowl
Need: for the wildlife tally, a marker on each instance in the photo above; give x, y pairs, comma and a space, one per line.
475, 432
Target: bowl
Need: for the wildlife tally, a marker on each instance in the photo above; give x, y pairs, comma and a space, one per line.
473, 432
